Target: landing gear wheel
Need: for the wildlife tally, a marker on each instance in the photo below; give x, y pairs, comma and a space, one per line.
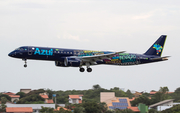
25, 65
81, 69
89, 69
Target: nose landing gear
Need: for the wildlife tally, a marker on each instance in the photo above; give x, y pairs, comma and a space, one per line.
25, 65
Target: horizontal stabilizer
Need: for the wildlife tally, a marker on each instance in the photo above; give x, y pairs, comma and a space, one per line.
160, 58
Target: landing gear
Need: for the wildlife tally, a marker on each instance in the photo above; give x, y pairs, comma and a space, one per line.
81, 69
89, 69
25, 65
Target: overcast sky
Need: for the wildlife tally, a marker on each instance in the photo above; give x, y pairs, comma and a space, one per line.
118, 25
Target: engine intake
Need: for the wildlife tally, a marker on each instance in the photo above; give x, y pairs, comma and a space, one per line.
74, 62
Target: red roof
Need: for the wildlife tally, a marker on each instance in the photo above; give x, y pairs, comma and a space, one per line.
74, 96
14, 96
152, 93
50, 101
44, 96
132, 99
58, 108
19, 109
135, 109
9, 93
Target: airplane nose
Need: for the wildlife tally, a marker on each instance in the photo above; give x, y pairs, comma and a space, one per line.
11, 54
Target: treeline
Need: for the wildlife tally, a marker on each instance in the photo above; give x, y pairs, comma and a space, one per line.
91, 95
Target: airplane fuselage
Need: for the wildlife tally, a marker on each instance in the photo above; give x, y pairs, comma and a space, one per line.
58, 55
78, 58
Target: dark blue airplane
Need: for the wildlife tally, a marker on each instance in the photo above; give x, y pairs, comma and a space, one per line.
78, 58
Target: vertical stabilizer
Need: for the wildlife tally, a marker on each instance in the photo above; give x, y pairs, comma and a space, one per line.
157, 48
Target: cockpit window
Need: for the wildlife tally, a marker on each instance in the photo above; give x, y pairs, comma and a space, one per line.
17, 49
21, 49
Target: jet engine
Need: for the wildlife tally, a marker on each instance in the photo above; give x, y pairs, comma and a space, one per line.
74, 62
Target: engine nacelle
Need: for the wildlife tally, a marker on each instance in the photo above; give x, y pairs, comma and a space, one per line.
59, 63
74, 62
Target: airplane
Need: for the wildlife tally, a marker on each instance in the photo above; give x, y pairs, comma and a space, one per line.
79, 58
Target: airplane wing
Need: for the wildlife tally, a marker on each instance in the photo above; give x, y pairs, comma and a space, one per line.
94, 58
160, 58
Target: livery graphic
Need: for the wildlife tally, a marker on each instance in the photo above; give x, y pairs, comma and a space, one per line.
44, 52
158, 48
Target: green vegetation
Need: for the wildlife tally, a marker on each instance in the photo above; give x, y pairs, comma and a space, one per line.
32, 97
161, 95
174, 109
91, 95
6, 96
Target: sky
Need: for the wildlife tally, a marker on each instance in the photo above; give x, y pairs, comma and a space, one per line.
117, 25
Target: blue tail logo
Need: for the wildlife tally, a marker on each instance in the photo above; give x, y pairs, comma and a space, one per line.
158, 48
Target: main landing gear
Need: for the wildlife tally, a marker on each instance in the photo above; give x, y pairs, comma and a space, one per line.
81, 69
25, 65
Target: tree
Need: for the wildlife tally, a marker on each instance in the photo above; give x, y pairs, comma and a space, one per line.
91, 107
96, 87
22, 94
164, 90
34, 98
3, 108
7, 97
79, 110
103, 107
46, 109
129, 94
174, 109
153, 111
177, 90
141, 99
4, 100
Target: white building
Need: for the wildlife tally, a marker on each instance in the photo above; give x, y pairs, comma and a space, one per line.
160, 106
75, 99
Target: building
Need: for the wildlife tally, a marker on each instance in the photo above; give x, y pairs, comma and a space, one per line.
58, 108
47, 100
13, 96
25, 90
121, 102
75, 99
19, 110
162, 105
154, 92
137, 94
114, 102
35, 107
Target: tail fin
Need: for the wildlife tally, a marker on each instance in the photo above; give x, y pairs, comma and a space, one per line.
157, 48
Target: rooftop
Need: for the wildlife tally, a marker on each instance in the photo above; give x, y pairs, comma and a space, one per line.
44, 96
19, 109
50, 101
34, 106
9, 93
14, 96
74, 96
160, 103
135, 109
